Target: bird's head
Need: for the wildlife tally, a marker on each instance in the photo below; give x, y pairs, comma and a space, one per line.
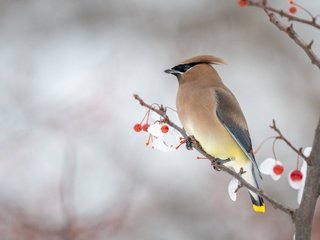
180, 69
191, 67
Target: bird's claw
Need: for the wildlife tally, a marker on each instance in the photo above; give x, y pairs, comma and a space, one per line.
218, 162
189, 143
192, 142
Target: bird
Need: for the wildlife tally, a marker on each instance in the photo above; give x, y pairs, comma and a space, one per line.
211, 114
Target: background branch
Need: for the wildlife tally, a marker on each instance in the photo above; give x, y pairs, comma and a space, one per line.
283, 138
307, 47
263, 4
295, 37
303, 216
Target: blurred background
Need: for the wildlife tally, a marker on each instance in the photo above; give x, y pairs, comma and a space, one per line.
71, 166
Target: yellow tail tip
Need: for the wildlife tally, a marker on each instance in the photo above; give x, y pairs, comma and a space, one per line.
260, 209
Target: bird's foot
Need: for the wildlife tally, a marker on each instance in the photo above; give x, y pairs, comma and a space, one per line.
192, 142
218, 162
189, 143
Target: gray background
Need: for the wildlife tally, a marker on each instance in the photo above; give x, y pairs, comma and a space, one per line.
71, 167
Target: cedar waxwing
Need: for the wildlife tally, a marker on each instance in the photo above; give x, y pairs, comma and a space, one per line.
210, 113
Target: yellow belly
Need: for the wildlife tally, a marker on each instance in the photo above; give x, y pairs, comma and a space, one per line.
199, 119
217, 142
220, 145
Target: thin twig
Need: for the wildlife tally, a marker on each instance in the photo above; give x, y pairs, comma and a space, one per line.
295, 37
215, 162
162, 113
283, 138
312, 22
271, 12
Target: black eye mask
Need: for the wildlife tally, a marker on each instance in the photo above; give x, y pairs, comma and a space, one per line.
184, 67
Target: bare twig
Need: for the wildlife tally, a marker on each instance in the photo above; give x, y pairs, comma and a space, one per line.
215, 162
240, 184
271, 12
263, 4
283, 138
162, 112
295, 37
303, 216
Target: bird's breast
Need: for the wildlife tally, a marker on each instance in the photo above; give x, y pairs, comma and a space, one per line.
197, 113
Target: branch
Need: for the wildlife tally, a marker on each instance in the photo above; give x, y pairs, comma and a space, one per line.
215, 162
263, 5
295, 37
304, 214
307, 48
162, 112
283, 138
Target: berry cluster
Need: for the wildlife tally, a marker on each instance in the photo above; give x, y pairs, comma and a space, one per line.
275, 168
161, 135
292, 7
138, 127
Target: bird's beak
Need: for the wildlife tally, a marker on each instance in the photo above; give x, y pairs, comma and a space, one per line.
172, 71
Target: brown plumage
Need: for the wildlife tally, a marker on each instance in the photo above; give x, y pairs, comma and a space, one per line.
209, 111
205, 59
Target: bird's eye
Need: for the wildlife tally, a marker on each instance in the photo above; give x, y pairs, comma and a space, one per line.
182, 67
186, 67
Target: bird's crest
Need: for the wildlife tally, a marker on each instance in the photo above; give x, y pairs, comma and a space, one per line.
204, 59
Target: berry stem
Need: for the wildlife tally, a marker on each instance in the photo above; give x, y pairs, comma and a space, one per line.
201, 158
172, 109
150, 139
262, 143
146, 115
298, 162
273, 148
182, 141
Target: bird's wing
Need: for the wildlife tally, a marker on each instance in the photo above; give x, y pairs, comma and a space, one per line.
230, 115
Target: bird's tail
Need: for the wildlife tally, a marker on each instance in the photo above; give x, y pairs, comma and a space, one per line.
257, 201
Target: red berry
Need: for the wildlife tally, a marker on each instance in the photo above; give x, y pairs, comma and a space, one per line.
164, 128
292, 9
145, 127
278, 169
243, 3
296, 175
137, 127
